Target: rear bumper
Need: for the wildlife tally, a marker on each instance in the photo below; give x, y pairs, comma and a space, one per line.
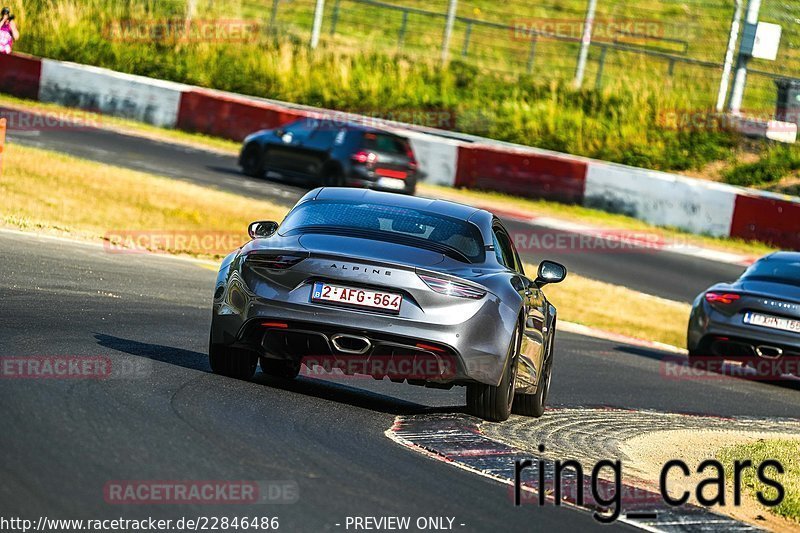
361, 177
456, 353
715, 335
707, 324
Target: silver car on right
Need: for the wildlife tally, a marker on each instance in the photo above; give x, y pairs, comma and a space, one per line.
755, 319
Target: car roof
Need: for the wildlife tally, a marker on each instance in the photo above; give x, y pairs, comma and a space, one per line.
442, 207
352, 125
782, 256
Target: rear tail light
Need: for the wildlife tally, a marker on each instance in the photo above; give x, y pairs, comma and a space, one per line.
367, 158
277, 261
412, 161
453, 288
278, 325
725, 298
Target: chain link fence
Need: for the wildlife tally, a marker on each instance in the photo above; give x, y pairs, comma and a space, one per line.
678, 44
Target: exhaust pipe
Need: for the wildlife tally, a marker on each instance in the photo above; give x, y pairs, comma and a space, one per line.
354, 344
769, 352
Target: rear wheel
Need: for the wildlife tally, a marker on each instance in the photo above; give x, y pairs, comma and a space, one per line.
252, 161
280, 368
534, 404
494, 403
232, 362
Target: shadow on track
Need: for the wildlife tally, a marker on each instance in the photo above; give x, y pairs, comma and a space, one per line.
318, 388
734, 373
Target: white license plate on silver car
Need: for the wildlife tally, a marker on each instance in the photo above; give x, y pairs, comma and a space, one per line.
774, 322
368, 299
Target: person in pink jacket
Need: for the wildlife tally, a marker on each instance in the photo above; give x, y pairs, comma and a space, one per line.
8, 31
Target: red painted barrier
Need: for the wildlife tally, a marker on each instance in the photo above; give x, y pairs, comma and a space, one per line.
231, 117
767, 219
20, 75
522, 173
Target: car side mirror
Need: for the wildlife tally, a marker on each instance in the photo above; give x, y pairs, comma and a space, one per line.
550, 272
279, 132
262, 229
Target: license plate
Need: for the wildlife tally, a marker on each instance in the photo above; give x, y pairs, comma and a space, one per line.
774, 322
386, 301
391, 183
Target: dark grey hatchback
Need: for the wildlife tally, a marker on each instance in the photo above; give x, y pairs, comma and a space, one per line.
332, 153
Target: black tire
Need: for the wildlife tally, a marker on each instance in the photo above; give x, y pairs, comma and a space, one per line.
280, 368
252, 161
534, 404
494, 403
232, 362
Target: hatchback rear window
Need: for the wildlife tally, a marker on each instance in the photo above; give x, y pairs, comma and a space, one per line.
380, 142
390, 223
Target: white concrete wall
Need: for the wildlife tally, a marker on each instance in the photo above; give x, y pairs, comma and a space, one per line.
136, 97
694, 205
437, 158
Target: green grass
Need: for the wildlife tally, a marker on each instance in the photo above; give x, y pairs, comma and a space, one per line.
49, 192
787, 452
362, 69
776, 163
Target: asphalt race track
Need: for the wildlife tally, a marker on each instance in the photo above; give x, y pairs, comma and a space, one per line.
669, 275
63, 440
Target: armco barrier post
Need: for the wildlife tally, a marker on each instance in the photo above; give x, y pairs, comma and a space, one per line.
2, 143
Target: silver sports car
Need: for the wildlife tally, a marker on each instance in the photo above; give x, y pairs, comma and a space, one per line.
360, 282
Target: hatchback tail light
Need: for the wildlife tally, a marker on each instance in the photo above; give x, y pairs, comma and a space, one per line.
453, 288
365, 157
277, 261
724, 298
412, 161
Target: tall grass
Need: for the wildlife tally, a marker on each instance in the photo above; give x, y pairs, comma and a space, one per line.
620, 122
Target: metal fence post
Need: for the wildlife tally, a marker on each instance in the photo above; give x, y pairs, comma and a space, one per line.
274, 13
402, 36
448, 29
531, 54
335, 17
467, 35
316, 29
586, 42
728, 65
740, 79
598, 82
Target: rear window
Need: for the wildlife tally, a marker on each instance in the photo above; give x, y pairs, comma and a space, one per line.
380, 142
390, 223
775, 270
